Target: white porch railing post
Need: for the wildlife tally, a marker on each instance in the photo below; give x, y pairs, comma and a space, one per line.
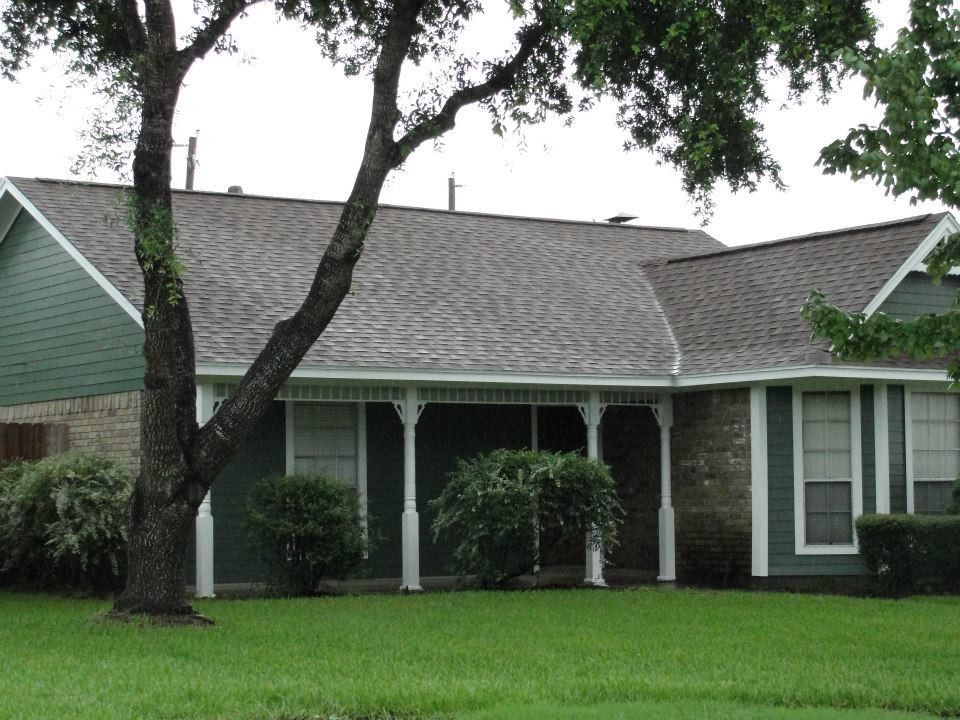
592, 412
409, 410
666, 521
204, 522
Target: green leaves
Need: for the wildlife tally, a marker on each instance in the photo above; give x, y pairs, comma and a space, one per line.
690, 75
505, 509
915, 148
854, 336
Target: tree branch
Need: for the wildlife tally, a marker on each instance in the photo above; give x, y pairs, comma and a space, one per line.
500, 79
208, 36
133, 25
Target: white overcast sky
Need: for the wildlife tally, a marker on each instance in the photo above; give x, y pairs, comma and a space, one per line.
279, 120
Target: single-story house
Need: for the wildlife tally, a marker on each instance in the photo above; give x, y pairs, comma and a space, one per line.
740, 448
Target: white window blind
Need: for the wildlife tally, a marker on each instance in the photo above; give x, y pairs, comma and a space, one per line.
827, 468
936, 449
325, 440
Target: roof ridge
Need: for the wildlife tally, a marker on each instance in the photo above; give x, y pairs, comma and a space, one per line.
801, 238
412, 208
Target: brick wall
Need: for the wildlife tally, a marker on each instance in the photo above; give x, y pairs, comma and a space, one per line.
631, 447
105, 425
710, 449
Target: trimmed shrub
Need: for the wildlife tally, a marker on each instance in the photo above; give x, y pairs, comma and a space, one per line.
503, 509
63, 522
911, 553
309, 529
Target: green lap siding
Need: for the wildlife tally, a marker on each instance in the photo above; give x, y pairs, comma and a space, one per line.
783, 560
916, 295
385, 490
263, 454
61, 334
898, 450
444, 434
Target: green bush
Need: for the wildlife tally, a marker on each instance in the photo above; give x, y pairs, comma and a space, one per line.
63, 522
911, 553
503, 510
955, 505
309, 528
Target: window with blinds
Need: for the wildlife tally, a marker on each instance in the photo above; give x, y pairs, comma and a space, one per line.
827, 468
936, 449
325, 440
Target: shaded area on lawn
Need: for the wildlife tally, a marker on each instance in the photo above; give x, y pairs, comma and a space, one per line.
456, 653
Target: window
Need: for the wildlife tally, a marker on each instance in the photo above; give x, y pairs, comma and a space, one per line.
827, 493
325, 439
935, 423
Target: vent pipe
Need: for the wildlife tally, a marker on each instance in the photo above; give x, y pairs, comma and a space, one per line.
191, 160
621, 218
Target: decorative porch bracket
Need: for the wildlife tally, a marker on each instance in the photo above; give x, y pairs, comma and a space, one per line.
592, 411
666, 522
409, 410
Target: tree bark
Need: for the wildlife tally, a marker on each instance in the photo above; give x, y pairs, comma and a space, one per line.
166, 493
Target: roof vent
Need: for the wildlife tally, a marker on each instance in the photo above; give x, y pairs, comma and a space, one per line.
235, 190
620, 218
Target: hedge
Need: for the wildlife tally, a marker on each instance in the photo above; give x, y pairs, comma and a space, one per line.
63, 522
912, 553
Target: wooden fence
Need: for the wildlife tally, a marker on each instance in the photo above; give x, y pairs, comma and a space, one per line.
32, 441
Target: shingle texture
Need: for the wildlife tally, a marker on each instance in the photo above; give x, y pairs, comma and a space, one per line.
739, 309
434, 290
439, 290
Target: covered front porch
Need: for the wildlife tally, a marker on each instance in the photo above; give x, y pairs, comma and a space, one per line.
408, 438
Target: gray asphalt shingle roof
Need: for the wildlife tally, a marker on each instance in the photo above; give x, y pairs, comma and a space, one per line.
434, 289
745, 310
439, 290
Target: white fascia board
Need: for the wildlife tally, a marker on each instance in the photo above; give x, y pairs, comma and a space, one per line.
404, 375
9, 210
516, 379
801, 372
8, 188
947, 226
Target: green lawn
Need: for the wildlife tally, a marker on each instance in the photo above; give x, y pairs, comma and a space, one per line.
570, 655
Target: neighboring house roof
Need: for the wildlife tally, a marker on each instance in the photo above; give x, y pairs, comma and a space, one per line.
434, 290
461, 291
745, 311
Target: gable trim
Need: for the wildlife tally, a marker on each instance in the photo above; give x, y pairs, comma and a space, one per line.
7, 188
915, 262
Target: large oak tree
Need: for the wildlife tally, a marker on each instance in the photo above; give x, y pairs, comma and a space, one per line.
689, 77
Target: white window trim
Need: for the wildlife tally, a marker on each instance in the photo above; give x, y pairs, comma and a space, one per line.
908, 445
856, 471
908, 439
361, 451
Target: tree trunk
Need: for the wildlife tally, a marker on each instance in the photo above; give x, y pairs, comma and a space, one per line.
168, 490
155, 572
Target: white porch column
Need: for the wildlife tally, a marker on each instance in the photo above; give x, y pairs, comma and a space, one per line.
409, 410
204, 522
666, 524
592, 412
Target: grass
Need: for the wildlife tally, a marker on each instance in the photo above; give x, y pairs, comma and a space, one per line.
571, 655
